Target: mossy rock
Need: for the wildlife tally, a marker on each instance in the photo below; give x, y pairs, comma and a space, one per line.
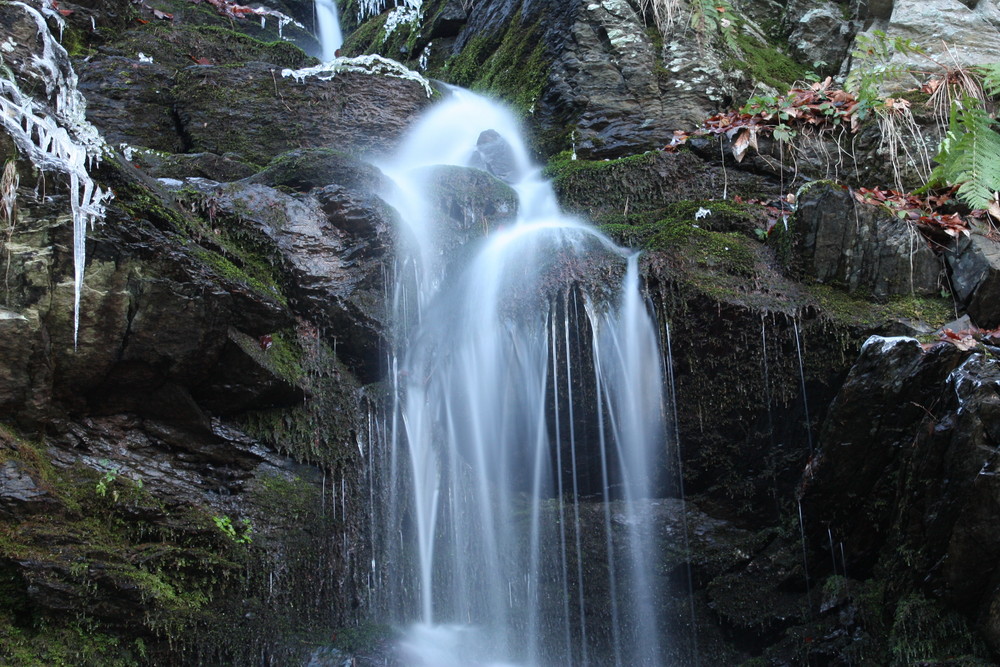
609, 191
512, 66
763, 63
305, 169
179, 45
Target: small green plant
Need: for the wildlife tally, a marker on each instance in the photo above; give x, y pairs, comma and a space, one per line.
873, 68
715, 16
240, 535
104, 484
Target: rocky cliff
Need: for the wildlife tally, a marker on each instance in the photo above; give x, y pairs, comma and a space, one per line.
188, 475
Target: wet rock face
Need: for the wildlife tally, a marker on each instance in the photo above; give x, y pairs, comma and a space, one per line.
906, 449
333, 248
238, 110
820, 33
975, 269
494, 154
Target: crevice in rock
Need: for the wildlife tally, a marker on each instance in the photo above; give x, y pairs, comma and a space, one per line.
187, 143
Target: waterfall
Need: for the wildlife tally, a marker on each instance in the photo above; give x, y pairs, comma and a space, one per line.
328, 27
528, 423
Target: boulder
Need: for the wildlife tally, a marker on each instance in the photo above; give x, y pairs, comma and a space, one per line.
954, 32
332, 249
974, 262
821, 34
906, 449
495, 155
862, 247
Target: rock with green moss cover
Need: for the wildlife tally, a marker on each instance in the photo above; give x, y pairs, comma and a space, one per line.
601, 76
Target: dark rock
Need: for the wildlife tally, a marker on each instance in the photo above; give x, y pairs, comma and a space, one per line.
975, 277
468, 204
310, 168
257, 113
599, 189
964, 323
837, 240
332, 248
449, 21
905, 449
820, 33
130, 102
20, 495
199, 165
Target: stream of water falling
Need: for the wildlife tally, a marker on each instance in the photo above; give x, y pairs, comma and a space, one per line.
527, 422
328, 29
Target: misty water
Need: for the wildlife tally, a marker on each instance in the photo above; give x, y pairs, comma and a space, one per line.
527, 391
526, 420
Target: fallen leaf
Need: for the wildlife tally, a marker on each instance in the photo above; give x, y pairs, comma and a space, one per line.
162, 15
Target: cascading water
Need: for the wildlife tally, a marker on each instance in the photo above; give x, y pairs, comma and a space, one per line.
328, 26
527, 421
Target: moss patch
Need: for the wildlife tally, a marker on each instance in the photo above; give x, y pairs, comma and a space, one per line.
765, 64
180, 44
512, 66
106, 542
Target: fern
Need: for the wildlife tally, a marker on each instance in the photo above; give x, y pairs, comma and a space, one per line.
970, 156
990, 76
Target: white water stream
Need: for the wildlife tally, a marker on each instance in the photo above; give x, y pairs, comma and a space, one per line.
528, 394
328, 27
526, 420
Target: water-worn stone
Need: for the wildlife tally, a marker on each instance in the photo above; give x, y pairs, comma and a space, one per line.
821, 34
20, 495
863, 247
975, 277
495, 155
908, 448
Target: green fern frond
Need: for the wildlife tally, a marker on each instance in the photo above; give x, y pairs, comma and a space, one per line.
990, 75
970, 156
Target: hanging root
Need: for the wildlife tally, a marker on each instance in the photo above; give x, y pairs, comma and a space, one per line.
896, 126
664, 12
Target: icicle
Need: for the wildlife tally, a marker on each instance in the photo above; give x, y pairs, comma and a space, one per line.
371, 64
62, 140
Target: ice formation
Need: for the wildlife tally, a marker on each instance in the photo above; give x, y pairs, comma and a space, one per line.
55, 135
371, 64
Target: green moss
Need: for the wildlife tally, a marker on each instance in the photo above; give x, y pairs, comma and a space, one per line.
254, 272
860, 310
562, 167
364, 637
291, 496
177, 44
77, 643
512, 66
765, 64
321, 429
924, 632
712, 226
368, 38
103, 541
